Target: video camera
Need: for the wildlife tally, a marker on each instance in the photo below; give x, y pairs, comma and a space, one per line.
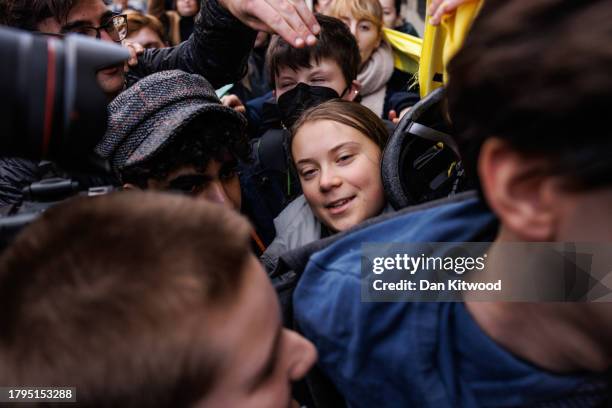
52, 108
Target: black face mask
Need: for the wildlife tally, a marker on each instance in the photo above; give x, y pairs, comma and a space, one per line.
292, 103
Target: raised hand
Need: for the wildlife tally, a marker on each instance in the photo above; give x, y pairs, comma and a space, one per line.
291, 19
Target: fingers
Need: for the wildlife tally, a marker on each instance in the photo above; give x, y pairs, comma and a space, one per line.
393, 118
135, 50
439, 8
403, 112
309, 19
284, 23
232, 101
433, 6
283, 17
291, 19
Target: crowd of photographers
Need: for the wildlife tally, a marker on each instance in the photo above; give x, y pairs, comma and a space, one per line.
161, 294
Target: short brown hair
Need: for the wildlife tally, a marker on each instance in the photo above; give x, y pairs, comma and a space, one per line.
347, 113
335, 42
27, 14
111, 295
138, 21
537, 74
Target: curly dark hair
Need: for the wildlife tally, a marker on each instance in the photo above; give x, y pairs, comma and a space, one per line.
197, 143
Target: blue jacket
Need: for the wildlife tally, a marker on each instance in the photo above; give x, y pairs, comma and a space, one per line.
417, 354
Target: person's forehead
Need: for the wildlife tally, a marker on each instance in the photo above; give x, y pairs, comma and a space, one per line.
217, 164
324, 65
387, 4
213, 166
145, 35
313, 139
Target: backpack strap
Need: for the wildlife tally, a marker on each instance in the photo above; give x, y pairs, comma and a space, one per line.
270, 150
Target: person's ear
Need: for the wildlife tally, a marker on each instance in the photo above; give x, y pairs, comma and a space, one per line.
353, 91
518, 191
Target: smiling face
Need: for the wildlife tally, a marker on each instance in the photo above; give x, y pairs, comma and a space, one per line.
259, 358
339, 170
92, 13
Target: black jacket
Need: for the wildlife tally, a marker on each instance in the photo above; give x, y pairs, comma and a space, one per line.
15, 174
218, 49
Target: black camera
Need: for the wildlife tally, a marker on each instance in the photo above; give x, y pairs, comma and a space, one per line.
52, 107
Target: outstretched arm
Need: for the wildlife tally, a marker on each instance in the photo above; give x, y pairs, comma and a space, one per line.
219, 47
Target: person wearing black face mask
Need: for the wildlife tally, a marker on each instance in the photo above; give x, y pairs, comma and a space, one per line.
293, 103
300, 79
271, 176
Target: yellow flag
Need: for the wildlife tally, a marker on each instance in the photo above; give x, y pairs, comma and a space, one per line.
406, 50
440, 43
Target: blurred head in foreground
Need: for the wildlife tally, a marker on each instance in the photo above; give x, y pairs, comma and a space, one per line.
533, 119
145, 299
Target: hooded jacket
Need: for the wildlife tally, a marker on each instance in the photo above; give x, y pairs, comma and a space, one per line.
421, 354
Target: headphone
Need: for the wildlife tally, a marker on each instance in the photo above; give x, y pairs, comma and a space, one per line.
422, 161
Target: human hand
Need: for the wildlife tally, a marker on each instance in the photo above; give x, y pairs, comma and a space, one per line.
135, 50
393, 117
439, 8
291, 19
232, 101
396, 119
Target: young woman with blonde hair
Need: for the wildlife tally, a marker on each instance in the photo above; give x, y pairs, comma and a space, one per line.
336, 148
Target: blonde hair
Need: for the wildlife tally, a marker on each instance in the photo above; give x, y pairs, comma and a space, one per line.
370, 10
350, 114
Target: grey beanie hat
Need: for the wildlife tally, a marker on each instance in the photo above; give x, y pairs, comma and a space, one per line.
149, 114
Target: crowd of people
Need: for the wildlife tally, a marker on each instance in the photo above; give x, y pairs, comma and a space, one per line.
241, 132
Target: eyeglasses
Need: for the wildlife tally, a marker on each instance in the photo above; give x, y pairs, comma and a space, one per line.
115, 27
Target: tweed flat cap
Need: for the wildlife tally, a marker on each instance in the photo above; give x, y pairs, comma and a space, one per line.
149, 114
